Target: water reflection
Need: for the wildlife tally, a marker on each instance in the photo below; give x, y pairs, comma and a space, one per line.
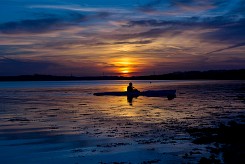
60, 118
130, 99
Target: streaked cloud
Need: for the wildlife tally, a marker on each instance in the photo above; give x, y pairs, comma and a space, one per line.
227, 48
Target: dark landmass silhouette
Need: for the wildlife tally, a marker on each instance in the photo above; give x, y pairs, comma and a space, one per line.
190, 75
228, 139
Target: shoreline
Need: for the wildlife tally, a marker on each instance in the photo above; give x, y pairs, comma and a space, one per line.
191, 75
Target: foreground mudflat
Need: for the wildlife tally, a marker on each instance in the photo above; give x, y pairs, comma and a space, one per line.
63, 122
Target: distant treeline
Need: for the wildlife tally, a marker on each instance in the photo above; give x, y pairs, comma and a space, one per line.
190, 75
199, 75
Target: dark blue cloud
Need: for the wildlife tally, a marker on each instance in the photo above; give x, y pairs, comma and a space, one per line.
51, 23
17, 67
32, 26
231, 32
14, 50
224, 29
206, 22
14, 67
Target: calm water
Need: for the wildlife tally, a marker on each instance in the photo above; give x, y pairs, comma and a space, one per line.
63, 122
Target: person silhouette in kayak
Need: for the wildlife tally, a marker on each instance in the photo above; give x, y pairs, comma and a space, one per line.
130, 88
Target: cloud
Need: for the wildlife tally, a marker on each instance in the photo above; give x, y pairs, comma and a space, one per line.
115, 10
219, 28
226, 48
150, 22
50, 23
19, 67
14, 50
135, 42
151, 33
33, 26
231, 32
10, 66
180, 8
206, 22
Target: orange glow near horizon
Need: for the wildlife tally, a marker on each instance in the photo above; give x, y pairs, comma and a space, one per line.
124, 66
125, 71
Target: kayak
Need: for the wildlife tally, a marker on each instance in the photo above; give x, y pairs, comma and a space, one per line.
149, 93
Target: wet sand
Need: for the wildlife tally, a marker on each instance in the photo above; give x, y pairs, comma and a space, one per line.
69, 125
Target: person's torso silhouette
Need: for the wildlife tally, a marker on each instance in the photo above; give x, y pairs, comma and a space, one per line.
130, 88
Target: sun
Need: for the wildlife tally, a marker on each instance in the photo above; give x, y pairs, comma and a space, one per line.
124, 66
125, 71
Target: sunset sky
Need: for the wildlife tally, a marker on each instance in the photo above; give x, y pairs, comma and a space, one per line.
120, 37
